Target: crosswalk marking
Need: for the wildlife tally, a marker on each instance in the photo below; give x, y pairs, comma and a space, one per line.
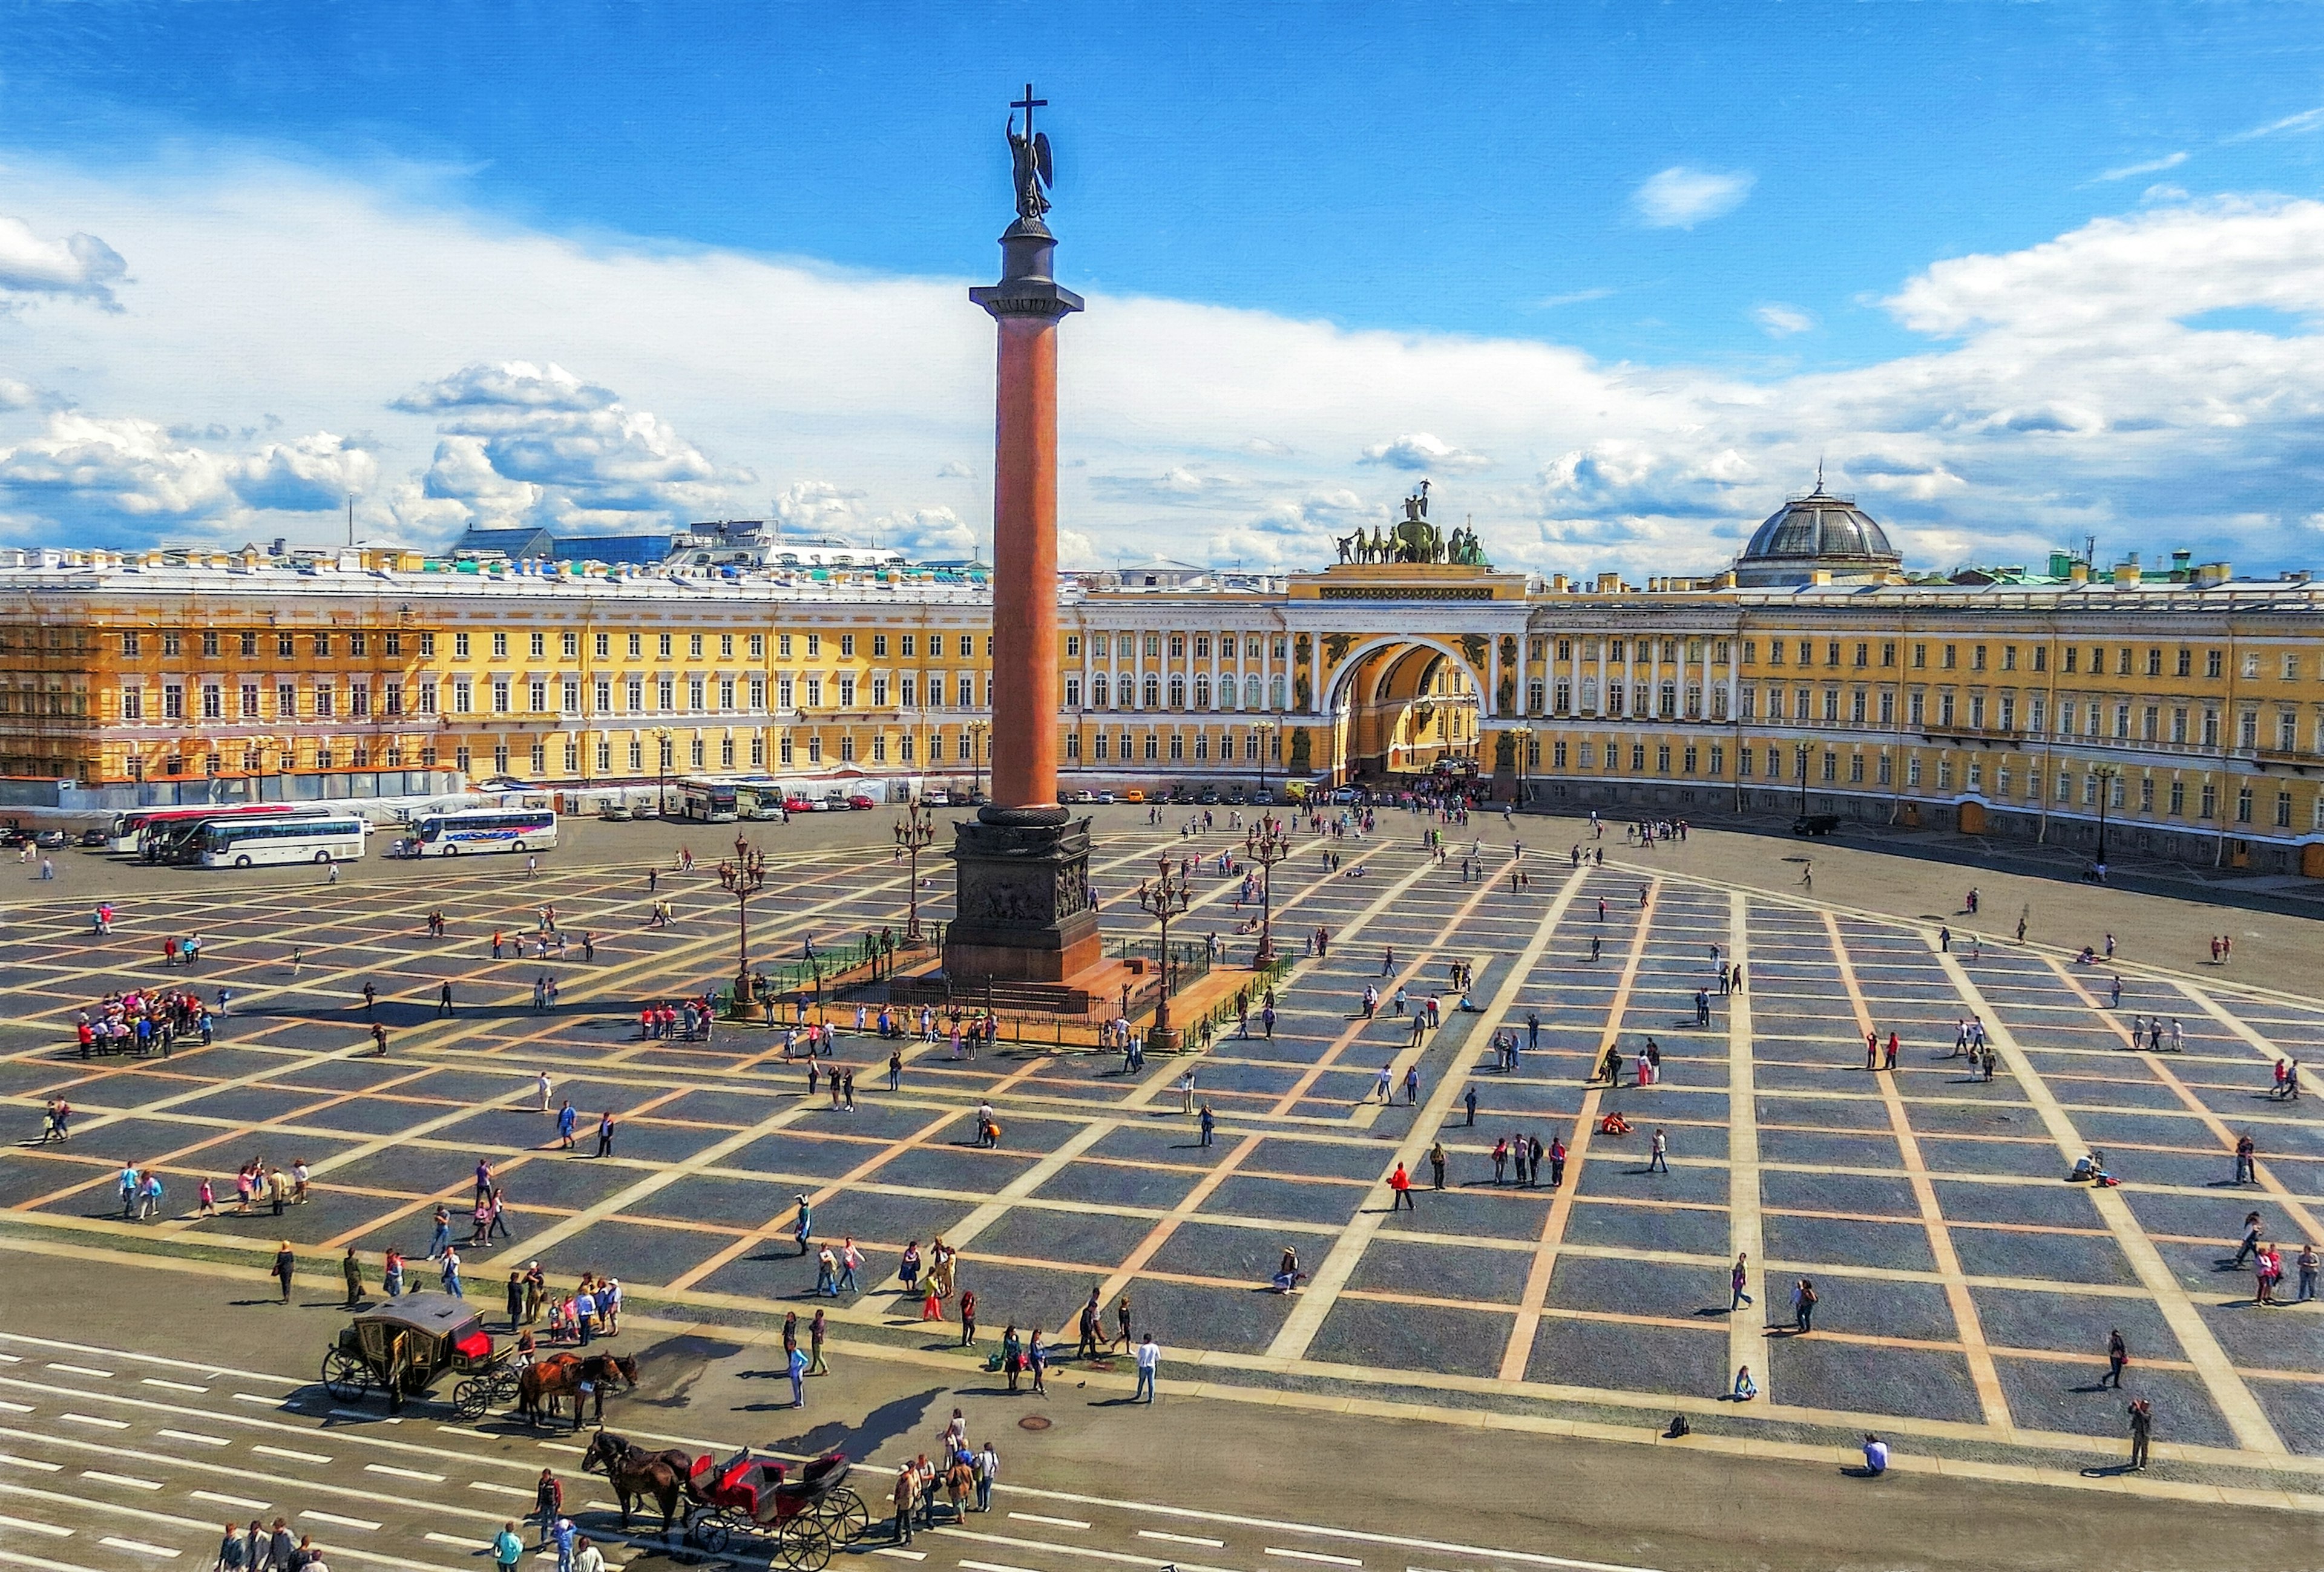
139, 1546
30, 1527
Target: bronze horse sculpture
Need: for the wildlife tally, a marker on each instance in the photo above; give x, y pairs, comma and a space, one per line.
559, 1375
636, 1473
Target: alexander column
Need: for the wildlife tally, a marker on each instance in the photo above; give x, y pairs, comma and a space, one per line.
1023, 866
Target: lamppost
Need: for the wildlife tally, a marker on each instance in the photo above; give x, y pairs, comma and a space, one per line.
1265, 731
743, 878
1164, 897
2106, 774
914, 832
1803, 779
976, 731
1524, 734
661, 771
1266, 845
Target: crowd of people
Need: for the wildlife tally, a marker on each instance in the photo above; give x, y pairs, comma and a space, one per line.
141, 1020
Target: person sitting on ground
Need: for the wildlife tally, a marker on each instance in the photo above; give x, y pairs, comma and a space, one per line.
1613, 1124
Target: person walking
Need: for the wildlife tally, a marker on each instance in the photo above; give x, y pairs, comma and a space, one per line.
443, 1000
606, 1134
1736, 1277
548, 1505
507, 1549
2117, 1356
905, 1496
796, 1367
352, 1270
449, 1268
1399, 1184
1658, 1153
1149, 1358
1804, 1302
2246, 1156
541, 1084
815, 1335
1209, 1125
988, 1474
1436, 1166
2308, 1270
2245, 1251
230, 1554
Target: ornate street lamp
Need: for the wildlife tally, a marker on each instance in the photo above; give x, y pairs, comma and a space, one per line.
2106, 774
1266, 845
1266, 731
743, 878
976, 731
1164, 897
662, 772
1523, 735
914, 832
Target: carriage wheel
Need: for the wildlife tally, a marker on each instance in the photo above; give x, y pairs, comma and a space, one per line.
706, 1530
804, 1545
505, 1386
345, 1377
843, 1511
471, 1399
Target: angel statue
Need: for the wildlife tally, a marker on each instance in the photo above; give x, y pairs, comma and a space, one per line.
1029, 155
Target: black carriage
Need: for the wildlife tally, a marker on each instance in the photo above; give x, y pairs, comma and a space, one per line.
803, 1518
405, 1346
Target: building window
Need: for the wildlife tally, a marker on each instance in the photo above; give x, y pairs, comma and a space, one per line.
173, 706
249, 697
2210, 800
500, 695
133, 702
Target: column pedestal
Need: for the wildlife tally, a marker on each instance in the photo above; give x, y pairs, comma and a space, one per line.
1024, 911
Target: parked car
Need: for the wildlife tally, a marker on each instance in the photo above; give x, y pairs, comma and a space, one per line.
1133, 795
1235, 796
797, 804
617, 815
1084, 795
51, 840
937, 799
1107, 797
97, 837
14, 835
862, 801
1265, 799
1815, 823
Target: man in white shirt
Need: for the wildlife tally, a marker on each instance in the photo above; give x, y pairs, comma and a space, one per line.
1149, 1355
542, 1083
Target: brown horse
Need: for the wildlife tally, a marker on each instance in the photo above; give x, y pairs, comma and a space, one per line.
636, 1473
560, 1375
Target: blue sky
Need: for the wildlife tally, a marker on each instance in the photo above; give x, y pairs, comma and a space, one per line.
1617, 273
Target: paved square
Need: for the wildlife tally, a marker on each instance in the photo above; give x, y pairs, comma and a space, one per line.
1966, 1288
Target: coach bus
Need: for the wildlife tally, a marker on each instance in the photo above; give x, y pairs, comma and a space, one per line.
243, 841
130, 829
471, 831
711, 801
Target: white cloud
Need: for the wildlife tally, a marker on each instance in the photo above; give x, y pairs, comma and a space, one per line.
1421, 450
1571, 297
102, 473
1680, 196
955, 470
78, 265
2151, 166
929, 533
513, 384
1777, 320
2078, 385
2291, 125
528, 445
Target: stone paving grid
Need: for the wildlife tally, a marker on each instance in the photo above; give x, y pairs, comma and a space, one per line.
1970, 1288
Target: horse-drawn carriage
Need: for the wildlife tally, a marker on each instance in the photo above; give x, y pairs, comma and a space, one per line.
405, 1346
803, 1518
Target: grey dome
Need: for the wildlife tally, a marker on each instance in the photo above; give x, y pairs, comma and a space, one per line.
1817, 532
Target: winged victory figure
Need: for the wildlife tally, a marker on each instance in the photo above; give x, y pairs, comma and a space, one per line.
1030, 155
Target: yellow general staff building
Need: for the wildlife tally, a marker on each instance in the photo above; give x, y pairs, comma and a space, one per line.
2181, 705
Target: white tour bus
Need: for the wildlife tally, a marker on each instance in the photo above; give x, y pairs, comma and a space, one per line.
470, 831
255, 841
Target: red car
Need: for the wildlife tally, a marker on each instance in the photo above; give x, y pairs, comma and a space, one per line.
860, 801
798, 805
